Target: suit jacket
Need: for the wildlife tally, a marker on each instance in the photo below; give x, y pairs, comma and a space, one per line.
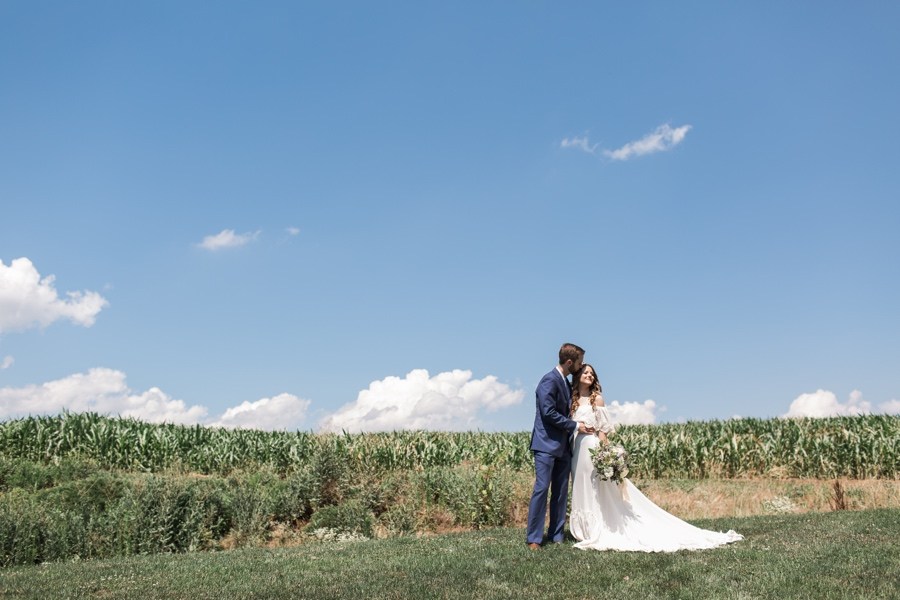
552, 425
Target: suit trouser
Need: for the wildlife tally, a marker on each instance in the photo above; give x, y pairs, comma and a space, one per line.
551, 473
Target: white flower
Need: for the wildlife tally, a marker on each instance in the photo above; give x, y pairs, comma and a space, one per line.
610, 463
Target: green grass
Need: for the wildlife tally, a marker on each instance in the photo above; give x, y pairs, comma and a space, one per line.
815, 555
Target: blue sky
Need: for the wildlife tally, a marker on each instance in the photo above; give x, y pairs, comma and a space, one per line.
364, 216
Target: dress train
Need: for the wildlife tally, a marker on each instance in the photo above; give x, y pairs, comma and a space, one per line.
607, 516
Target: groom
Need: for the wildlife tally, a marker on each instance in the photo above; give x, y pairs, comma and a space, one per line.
550, 442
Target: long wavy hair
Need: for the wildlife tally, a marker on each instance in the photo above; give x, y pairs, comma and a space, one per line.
596, 388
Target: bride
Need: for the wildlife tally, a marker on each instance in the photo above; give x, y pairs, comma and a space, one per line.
606, 516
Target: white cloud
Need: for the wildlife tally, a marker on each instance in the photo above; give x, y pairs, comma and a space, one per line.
664, 138
105, 391
27, 301
293, 230
98, 390
284, 411
823, 403
227, 238
581, 143
634, 413
447, 401
891, 407
7, 362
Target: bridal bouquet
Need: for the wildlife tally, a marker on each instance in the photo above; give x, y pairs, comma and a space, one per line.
610, 462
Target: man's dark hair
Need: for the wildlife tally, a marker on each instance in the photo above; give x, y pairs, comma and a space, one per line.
569, 352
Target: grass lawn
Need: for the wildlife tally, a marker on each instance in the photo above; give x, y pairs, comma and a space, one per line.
847, 554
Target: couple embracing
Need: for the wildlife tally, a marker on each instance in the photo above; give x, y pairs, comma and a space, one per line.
569, 421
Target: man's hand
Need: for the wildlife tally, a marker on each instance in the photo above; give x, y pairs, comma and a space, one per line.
582, 428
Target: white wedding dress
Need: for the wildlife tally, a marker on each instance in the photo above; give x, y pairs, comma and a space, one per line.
606, 516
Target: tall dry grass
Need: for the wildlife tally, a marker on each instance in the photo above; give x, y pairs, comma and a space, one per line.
715, 498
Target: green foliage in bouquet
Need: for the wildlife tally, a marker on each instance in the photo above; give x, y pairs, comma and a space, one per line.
610, 462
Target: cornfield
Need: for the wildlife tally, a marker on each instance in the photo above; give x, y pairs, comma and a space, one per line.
850, 447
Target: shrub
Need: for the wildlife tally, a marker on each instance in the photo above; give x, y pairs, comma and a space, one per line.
31, 475
352, 517
330, 471
91, 495
32, 533
252, 503
291, 498
400, 519
169, 515
495, 496
478, 496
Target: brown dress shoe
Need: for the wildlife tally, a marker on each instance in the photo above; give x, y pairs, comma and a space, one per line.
533, 546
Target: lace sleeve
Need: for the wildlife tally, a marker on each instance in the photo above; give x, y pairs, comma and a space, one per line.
604, 423
588, 417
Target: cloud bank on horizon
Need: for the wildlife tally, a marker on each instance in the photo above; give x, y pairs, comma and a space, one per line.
823, 403
99, 390
105, 391
284, 411
449, 401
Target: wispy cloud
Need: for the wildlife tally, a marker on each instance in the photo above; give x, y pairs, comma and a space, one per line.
823, 403
227, 238
448, 401
293, 230
663, 138
579, 143
27, 300
7, 362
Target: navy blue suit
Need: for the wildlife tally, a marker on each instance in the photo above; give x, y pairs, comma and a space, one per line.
550, 442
